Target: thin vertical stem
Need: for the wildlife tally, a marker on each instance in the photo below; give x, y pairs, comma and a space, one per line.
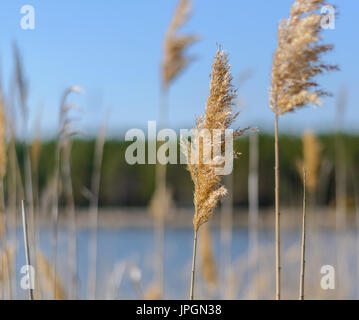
277, 213
193, 263
253, 205
55, 215
27, 250
302, 264
93, 214
226, 234
70, 208
161, 174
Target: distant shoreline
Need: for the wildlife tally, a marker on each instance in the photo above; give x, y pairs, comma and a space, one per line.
182, 218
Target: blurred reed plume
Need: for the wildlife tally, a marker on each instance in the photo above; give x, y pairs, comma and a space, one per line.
3, 127
161, 203
311, 160
174, 59
6, 260
47, 277
63, 148
153, 292
219, 115
208, 262
5, 263
296, 63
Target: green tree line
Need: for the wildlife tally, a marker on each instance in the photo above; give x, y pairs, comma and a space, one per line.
133, 185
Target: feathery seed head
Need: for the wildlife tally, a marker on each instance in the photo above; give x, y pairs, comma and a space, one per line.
174, 60
219, 115
296, 61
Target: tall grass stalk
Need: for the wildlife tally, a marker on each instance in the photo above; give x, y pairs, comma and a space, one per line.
207, 182
340, 162
302, 263
277, 213
93, 214
23, 92
64, 134
71, 212
253, 189
27, 249
226, 234
296, 63
173, 63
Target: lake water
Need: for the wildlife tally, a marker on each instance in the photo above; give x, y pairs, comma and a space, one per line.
124, 251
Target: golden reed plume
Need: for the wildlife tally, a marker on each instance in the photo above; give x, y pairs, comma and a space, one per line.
296, 61
311, 160
45, 272
174, 60
218, 116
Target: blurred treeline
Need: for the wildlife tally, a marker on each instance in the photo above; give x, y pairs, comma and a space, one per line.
133, 185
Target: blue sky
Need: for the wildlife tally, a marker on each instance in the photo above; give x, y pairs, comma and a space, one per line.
113, 50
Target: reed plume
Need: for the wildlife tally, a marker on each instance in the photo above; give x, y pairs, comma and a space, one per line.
3, 163
174, 61
175, 45
208, 262
6, 260
296, 63
219, 115
45, 272
64, 144
311, 160
153, 292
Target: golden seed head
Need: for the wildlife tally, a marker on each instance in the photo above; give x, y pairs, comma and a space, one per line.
297, 60
174, 60
207, 187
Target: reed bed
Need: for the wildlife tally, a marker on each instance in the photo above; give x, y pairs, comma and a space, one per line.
229, 268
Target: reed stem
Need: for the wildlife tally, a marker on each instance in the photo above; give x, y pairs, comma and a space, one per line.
302, 264
27, 249
277, 213
193, 263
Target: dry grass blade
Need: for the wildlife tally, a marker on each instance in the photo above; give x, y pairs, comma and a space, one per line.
174, 60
